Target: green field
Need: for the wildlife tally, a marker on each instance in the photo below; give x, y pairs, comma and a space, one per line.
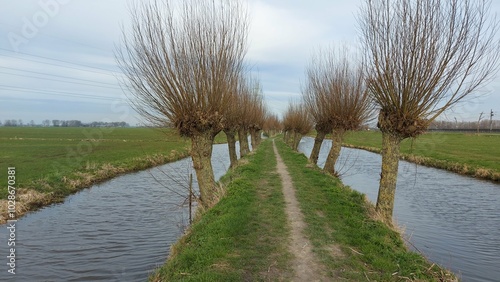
40, 152
470, 154
59, 161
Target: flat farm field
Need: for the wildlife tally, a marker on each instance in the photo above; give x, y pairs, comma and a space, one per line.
52, 163
465, 153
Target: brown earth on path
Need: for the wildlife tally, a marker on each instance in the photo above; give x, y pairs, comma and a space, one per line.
304, 262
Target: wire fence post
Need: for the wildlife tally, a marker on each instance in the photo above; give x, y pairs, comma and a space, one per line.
190, 197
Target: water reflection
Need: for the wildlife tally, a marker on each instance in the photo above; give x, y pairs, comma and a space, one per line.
452, 219
119, 230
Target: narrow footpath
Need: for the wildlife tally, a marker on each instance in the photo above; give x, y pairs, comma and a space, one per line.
304, 263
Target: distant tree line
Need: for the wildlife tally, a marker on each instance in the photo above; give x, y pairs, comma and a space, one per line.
482, 125
62, 123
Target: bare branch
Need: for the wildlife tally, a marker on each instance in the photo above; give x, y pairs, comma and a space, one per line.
425, 56
183, 61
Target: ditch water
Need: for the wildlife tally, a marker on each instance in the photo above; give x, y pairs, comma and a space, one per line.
120, 230
452, 219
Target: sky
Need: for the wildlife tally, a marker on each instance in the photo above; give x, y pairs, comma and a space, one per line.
57, 56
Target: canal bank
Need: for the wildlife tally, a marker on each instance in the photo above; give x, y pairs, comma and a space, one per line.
118, 230
246, 236
452, 219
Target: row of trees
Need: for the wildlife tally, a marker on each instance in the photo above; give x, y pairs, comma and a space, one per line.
64, 123
184, 62
421, 58
15, 123
335, 100
296, 123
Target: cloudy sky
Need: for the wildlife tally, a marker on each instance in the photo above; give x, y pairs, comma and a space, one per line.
57, 61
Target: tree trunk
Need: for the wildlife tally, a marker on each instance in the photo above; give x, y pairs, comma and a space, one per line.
320, 136
201, 153
388, 176
296, 140
259, 137
253, 137
334, 153
291, 136
231, 144
242, 136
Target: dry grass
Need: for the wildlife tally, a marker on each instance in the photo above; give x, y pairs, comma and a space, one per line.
29, 199
219, 192
26, 199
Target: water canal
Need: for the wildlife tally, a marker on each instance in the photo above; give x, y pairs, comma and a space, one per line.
122, 229
119, 230
452, 219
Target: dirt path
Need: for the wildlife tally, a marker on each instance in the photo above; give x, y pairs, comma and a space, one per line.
304, 264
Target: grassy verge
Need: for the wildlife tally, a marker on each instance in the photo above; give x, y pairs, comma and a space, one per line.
467, 154
52, 163
242, 238
347, 240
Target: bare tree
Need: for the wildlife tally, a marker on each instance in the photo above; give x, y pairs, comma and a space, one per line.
350, 103
182, 61
245, 114
423, 56
316, 99
256, 114
272, 125
296, 122
336, 97
244, 102
231, 125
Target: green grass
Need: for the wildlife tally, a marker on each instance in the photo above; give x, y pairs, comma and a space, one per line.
476, 150
245, 236
468, 154
56, 162
52, 153
339, 218
242, 238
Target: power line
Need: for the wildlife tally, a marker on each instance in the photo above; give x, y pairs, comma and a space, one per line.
55, 75
58, 93
61, 66
58, 80
96, 69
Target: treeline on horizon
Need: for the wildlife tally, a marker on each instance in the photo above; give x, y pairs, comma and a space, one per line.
436, 125
62, 123
465, 125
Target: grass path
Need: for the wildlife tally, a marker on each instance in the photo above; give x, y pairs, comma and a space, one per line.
345, 237
305, 266
242, 238
282, 219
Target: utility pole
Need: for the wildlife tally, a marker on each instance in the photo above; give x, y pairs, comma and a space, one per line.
491, 120
479, 121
